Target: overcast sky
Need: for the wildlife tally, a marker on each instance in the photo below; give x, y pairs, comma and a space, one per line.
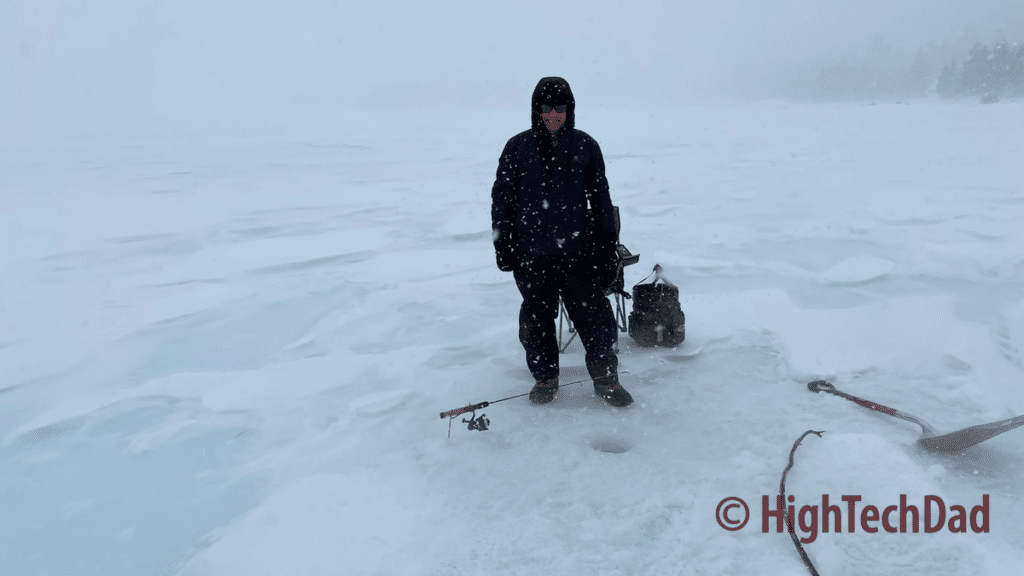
76, 65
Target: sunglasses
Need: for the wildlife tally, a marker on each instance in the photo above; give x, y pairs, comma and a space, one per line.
547, 108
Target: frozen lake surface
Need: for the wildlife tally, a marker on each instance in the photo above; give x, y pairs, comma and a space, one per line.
227, 357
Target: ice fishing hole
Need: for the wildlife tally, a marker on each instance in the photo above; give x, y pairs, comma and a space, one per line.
611, 444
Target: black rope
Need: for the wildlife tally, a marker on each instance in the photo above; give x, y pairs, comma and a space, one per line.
655, 273
782, 493
657, 276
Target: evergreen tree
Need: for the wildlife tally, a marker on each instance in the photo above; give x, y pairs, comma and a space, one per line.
1000, 64
949, 83
919, 76
1015, 75
977, 75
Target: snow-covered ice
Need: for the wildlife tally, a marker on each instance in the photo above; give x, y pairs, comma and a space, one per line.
229, 357
858, 269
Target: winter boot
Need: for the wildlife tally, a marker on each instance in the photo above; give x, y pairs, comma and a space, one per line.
544, 391
611, 391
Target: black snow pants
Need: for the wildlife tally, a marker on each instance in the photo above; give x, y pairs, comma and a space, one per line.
541, 279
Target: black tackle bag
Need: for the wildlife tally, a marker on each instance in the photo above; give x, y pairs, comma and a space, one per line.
657, 318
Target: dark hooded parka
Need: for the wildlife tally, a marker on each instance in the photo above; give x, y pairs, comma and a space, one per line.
543, 187
539, 201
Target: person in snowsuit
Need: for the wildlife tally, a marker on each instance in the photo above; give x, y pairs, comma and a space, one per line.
547, 176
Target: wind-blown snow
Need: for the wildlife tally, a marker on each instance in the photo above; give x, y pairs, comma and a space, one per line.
858, 269
230, 358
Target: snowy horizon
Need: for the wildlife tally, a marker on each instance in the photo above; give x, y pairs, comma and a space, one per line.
129, 69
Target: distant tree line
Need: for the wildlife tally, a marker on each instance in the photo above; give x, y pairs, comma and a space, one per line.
986, 73
844, 81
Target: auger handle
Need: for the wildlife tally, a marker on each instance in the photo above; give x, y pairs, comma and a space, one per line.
820, 386
470, 408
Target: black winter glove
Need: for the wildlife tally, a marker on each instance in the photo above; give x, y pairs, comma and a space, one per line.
507, 262
507, 256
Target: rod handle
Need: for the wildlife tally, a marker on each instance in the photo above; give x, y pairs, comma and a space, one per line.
463, 410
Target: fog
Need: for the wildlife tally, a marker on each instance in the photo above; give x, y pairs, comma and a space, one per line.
246, 261
131, 68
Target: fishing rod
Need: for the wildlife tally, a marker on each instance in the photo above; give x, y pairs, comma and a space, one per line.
481, 422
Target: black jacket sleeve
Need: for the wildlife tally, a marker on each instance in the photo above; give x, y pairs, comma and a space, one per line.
504, 199
604, 234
